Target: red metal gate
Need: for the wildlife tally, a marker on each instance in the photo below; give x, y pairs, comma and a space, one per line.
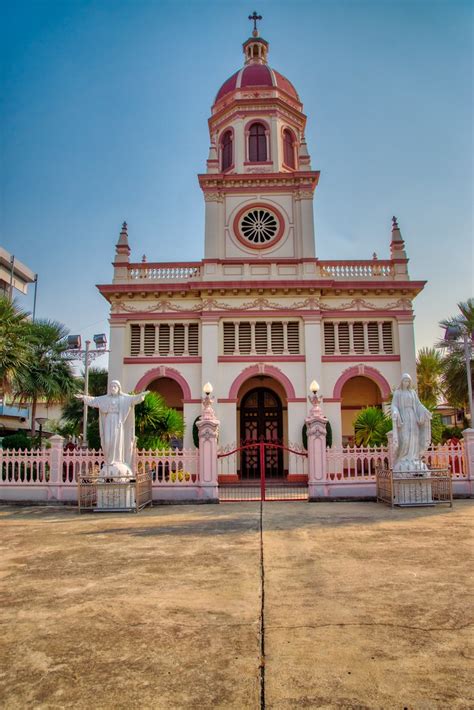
293, 485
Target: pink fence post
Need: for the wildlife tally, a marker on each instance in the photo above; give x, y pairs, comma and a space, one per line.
316, 434
468, 439
56, 467
208, 427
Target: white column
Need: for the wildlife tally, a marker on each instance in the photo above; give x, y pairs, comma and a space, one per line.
285, 337
312, 346
406, 340
307, 227
212, 234
366, 337
336, 338
239, 146
186, 339
351, 338
118, 343
252, 338
381, 347
274, 145
210, 352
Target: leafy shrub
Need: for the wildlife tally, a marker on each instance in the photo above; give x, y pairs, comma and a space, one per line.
17, 441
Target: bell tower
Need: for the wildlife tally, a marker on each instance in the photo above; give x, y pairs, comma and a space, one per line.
259, 185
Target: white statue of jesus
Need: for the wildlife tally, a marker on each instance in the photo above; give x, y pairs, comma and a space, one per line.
116, 424
411, 429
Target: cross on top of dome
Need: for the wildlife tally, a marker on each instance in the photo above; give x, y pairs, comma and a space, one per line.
255, 17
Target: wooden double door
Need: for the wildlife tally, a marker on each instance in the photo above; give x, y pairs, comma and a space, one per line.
261, 419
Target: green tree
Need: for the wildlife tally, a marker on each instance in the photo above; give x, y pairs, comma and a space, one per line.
429, 369
156, 424
371, 427
73, 410
48, 375
15, 351
454, 379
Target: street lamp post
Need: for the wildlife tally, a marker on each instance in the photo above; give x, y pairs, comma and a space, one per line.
40, 421
75, 352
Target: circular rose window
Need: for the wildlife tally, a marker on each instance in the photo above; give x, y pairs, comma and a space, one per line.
258, 226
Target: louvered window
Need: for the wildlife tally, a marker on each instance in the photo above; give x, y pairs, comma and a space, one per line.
373, 336
178, 339
149, 346
329, 341
229, 338
193, 339
261, 338
344, 342
245, 338
164, 339
293, 330
358, 336
277, 338
135, 339
387, 336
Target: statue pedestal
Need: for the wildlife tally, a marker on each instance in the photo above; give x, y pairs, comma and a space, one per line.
116, 495
412, 492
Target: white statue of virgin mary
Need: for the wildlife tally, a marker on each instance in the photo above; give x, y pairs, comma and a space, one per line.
116, 424
411, 428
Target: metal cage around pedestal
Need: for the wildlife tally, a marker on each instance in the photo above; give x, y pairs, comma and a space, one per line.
414, 491
108, 495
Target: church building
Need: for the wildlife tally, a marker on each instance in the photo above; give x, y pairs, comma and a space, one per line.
260, 316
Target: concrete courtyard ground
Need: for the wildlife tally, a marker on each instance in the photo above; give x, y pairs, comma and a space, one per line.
363, 607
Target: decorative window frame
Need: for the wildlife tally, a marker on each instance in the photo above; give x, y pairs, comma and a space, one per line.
264, 206
220, 155
295, 146
248, 126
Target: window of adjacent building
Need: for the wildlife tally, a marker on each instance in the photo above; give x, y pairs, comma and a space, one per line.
226, 148
262, 338
257, 143
164, 339
288, 149
358, 338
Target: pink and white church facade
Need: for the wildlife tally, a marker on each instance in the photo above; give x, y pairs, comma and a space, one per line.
260, 316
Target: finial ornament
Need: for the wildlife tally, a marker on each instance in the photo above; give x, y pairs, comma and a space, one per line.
124, 227
255, 17
394, 223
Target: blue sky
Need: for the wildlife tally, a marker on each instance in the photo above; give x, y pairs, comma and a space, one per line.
104, 118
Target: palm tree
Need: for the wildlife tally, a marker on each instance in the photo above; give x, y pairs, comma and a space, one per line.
454, 379
49, 375
429, 368
14, 343
157, 424
371, 427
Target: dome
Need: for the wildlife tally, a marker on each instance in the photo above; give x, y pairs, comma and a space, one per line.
253, 76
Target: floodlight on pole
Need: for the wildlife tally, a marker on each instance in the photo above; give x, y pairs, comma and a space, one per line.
75, 352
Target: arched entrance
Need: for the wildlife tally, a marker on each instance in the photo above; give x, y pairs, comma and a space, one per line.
356, 394
170, 390
261, 419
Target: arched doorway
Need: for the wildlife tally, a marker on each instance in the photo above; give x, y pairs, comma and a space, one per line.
170, 390
356, 394
261, 419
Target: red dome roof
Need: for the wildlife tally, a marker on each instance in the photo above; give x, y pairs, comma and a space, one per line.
256, 75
